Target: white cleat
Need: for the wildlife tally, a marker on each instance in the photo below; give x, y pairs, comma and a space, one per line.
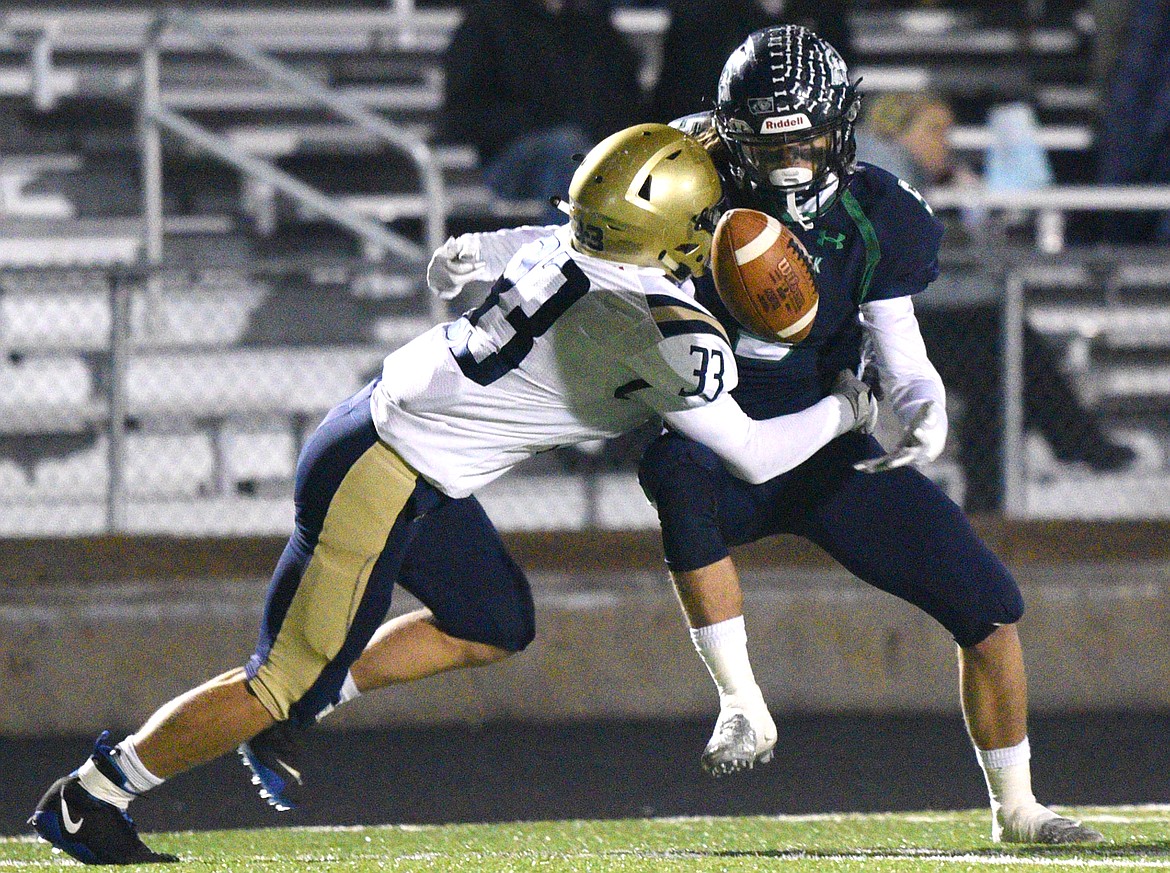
1038, 824
736, 746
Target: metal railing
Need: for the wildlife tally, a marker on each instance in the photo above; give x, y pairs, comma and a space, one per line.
1050, 205
1013, 315
154, 115
167, 375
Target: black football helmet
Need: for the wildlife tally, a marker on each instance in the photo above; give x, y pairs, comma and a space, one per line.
785, 109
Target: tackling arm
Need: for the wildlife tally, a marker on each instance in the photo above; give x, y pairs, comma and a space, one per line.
757, 451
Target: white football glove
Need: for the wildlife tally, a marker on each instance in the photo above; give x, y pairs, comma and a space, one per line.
455, 263
859, 397
921, 442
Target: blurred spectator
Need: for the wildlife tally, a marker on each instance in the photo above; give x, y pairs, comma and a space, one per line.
703, 33
530, 83
908, 134
1110, 18
1134, 134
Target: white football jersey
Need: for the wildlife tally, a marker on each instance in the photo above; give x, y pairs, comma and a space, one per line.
566, 348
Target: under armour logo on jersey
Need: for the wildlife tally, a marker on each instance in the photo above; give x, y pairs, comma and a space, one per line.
838, 241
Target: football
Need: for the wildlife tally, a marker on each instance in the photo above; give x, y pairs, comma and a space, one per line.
764, 276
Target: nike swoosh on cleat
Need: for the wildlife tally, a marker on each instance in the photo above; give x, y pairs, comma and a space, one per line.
293, 772
70, 825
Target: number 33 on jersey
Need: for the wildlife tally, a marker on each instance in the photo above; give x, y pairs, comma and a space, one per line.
566, 348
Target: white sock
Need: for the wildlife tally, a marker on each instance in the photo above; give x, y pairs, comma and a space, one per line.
139, 780
723, 648
349, 689
1009, 782
95, 782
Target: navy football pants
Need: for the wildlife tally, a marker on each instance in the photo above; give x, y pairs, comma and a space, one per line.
896, 530
366, 521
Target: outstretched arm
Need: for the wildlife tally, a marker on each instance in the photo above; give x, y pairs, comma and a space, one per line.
476, 257
757, 451
908, 377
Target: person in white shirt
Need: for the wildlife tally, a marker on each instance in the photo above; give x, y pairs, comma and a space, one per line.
586, 333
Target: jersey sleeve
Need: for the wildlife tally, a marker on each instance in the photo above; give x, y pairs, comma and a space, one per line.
695, 368
909, 237
908, 377
757, 451
690, 363
497, 247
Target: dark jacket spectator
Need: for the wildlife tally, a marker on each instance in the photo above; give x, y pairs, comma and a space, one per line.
1134, 129
516, 67
703, 33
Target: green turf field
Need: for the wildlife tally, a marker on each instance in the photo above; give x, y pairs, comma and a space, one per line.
1137, 838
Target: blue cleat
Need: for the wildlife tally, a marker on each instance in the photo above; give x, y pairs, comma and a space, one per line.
273, 756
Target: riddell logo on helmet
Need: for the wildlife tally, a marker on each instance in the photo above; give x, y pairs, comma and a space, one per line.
785, 123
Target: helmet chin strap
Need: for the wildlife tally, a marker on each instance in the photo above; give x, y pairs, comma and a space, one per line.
795, 213
790, 178
787, 176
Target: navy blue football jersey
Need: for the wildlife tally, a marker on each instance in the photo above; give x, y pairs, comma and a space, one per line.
879, 240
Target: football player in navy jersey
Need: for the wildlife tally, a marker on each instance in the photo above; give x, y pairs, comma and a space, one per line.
782, 137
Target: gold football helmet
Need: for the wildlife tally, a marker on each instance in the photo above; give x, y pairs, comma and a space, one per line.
646, 195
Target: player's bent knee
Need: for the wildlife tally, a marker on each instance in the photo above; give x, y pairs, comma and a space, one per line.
497, 629
683, 479
277, 704
675, 465
516, 636
990, 644
1009, 605
679, 477
481, 654
1006, 609
1015, 610
291, 683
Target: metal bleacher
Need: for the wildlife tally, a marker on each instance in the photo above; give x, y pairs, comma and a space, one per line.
246, 332
1109, 312
258, 317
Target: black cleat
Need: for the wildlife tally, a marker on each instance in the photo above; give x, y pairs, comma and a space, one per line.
274, 757
1111, 458
88, 829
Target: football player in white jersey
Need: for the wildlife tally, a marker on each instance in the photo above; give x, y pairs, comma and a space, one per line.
585, 334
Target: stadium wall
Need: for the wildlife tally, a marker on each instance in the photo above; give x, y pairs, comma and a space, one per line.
96, 633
